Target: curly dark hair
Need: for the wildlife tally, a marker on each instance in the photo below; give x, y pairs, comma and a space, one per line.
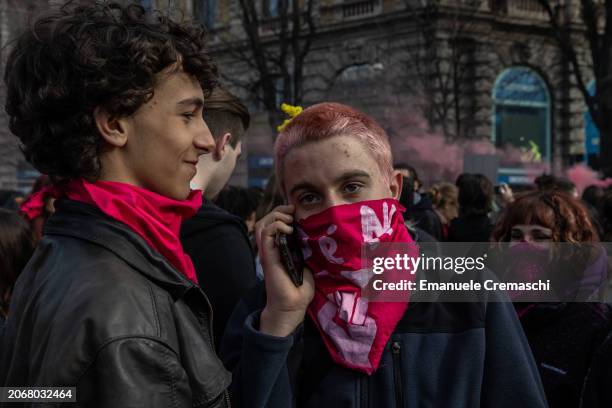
80, 57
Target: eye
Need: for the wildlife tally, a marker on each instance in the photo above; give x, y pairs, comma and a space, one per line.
308, 199
353, 188
541, 236
516, 235
188, 115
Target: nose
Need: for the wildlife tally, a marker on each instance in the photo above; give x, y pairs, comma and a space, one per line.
333, 199
203, 140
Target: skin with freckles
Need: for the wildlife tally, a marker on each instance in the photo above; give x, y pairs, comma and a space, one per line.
315, 179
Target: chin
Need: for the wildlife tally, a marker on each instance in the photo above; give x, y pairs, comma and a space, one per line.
182, 195
178, 193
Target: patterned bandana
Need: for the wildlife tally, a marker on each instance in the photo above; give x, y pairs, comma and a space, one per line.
355, 329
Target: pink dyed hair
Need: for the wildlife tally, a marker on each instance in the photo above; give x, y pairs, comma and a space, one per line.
329, 119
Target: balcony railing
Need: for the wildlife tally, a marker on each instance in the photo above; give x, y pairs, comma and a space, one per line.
351, 10
526, 8
358, 9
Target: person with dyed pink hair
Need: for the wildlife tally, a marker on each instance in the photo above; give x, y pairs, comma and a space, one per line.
328, 342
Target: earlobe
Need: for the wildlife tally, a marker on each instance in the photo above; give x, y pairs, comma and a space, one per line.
112, 129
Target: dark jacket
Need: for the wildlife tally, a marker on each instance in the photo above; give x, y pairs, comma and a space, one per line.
564, 338
97, 309
425, 218
470, 228
219, 247
596, 390
440, 355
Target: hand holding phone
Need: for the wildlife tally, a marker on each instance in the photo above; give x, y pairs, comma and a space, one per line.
286, 303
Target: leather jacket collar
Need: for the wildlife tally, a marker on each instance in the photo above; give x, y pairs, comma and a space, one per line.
121, 240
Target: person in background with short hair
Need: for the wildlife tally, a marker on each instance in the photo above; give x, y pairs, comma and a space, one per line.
241, 202
16, 247
475, 202
419, 207
410, 173
546, 182
228, 120
216, 239
566, 336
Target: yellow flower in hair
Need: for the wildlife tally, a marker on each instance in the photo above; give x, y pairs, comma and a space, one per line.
291, 111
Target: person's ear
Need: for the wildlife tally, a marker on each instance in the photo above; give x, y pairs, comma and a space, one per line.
395, 184
114, 130
221, 146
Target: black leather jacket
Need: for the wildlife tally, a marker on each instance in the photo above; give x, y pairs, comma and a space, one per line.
97, 309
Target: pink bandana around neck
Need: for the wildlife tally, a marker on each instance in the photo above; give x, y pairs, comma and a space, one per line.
354, 330
156, 218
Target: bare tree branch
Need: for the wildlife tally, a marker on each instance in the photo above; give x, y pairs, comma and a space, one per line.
443, 72
274, 48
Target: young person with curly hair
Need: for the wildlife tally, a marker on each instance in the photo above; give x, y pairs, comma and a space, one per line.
567, 337
107, 100
333, 165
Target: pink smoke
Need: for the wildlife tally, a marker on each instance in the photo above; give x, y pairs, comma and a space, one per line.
438, 159
583, 176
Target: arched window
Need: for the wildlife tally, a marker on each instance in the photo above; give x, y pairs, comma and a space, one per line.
591, 139
521, 113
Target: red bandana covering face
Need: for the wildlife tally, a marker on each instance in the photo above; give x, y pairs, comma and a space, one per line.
354, 330
154, 217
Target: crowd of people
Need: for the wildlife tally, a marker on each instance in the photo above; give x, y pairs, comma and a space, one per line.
136, 274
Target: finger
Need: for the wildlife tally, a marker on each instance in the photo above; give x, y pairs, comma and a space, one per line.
277, 216
259, 226
286, 218
287, 209
277, 226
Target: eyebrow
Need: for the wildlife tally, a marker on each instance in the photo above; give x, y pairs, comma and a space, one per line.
343, 177
195, 101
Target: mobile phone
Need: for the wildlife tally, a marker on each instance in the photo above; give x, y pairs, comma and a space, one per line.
291, 257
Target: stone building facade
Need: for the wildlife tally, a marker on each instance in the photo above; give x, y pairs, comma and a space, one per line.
375, 55
15, 172
396, 61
